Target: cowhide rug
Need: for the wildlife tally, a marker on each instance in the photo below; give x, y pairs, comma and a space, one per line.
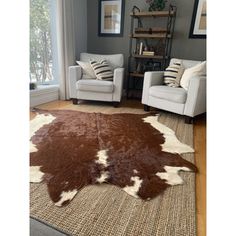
71, 149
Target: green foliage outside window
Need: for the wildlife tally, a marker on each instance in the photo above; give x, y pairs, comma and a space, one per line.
40, 42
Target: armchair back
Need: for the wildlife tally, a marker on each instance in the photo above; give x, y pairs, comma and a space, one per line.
186, 63
114, 60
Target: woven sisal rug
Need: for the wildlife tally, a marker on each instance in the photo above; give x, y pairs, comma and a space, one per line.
107, 210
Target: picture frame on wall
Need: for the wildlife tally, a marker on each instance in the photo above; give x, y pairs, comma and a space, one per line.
198, 23
111, 18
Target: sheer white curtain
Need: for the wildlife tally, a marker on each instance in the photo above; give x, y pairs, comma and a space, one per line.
66, 44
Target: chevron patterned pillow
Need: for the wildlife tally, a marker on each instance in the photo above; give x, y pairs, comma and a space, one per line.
102, 70
173, 74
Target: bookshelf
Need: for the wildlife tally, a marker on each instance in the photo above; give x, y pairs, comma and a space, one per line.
149, 44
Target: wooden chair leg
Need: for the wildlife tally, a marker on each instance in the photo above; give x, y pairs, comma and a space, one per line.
188, 120
75, 101
116, 104
146, 108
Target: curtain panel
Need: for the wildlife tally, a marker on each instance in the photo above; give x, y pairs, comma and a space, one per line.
66, 44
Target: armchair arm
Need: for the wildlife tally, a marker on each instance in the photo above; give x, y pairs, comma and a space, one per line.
75, 73
118, 84
151, 78
196, 98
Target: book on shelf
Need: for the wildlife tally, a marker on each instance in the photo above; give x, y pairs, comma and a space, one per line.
141, 48
148, 53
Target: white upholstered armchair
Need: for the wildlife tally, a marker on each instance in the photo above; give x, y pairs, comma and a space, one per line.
190, 103
93, 89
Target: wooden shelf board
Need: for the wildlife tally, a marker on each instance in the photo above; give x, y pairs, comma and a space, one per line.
154, 30
135, 74
153, 13
151, 57
160, 35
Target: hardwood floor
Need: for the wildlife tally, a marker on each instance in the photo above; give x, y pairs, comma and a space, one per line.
200, 161
199, 146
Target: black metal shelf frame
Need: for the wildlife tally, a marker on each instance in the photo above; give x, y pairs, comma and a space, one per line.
165, 57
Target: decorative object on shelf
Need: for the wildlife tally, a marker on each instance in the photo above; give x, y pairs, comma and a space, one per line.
148, 53
156, 66
111, 17
160, 49
156, 5
198, 23
33, 85
145, 48
135, 9
151, 66
141, 48
139, 68
151, 48
136, 50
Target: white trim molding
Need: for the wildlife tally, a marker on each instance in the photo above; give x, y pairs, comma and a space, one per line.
44, 94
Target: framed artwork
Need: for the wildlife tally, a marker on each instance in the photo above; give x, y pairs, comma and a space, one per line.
198, 23
111, 18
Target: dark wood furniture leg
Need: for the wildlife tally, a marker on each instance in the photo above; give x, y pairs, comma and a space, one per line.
75, 101
116, 104
146, 108
188, 120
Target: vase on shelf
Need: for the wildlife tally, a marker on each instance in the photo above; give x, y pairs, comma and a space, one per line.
156, 5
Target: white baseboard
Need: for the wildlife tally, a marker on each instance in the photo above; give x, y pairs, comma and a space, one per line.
44, 94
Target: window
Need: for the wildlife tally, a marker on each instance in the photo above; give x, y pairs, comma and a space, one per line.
43, 59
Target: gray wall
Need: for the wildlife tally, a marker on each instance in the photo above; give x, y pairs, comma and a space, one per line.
182, 46
80, 23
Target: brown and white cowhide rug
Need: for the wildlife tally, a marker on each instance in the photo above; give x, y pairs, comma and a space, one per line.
71, 149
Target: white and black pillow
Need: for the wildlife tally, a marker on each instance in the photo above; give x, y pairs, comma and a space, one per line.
102, 70
197, 70
173, 74
87, 70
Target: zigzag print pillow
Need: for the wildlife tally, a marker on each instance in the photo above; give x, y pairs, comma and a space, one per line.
173, 74
102, 70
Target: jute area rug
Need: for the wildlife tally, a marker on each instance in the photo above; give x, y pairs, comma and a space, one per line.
107, 210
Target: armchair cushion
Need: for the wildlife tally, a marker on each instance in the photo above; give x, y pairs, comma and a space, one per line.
177, 95
195, 71
94, 85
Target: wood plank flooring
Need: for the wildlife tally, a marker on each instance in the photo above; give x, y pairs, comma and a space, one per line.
200, 161
199, 145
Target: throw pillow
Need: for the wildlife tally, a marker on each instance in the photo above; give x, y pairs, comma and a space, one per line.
87, 70
102, 70
173, 73
198, 70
